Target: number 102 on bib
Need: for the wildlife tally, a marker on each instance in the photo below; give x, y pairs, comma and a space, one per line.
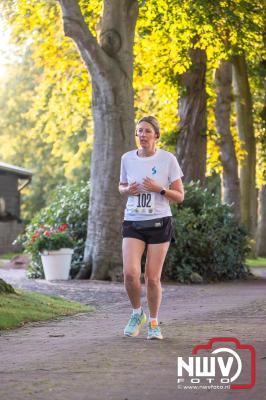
144, 203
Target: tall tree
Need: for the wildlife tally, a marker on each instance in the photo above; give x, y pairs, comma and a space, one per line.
191, 145
230, 179
109, 62
165, 31
170, 41
245, 127
261, 230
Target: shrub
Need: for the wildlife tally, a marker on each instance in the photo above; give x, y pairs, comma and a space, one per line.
69, 205
210, 244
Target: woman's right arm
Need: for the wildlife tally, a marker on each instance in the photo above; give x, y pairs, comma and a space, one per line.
123, 188
123, 184
129, 190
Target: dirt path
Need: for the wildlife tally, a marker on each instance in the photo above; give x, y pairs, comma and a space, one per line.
86, 357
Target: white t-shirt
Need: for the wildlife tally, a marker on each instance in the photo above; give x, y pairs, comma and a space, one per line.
161, 167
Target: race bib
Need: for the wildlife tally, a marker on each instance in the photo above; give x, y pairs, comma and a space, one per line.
144, 203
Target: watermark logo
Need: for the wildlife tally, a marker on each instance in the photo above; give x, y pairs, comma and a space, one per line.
222, 363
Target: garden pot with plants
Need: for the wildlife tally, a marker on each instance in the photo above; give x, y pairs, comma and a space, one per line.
55, 246
56, 263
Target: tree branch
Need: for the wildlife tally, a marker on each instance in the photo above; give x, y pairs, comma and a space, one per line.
76, 28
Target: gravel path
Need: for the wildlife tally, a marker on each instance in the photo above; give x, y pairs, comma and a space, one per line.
86, 357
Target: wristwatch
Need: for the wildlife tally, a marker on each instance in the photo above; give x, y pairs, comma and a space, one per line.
162, 192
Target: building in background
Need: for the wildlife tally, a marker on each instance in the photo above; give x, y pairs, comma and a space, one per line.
12, 180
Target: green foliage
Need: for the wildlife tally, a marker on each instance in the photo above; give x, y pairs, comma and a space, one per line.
24, 142
69, 204
210, 244
45, 117
50, 107
165, 32
45, 107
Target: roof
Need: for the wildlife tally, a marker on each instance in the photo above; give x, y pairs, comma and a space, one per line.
22, 173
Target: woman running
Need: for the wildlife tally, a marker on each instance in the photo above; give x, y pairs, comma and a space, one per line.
150, 177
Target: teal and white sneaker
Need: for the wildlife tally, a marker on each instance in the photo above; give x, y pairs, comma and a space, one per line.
154, 332
135, 324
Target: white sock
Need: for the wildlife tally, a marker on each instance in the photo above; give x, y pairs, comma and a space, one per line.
153, 319
137, 310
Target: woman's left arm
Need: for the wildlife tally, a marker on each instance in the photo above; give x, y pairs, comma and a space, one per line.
176, 192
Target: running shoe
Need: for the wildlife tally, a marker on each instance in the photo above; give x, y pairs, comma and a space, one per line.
135, 324
154, 332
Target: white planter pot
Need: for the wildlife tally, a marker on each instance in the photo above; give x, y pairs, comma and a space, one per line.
56, 263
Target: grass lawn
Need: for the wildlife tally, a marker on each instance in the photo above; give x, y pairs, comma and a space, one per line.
9, 256
17, 309
258, 262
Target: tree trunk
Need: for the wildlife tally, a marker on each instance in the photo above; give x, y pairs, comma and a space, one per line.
110, 64
230, 179
261, 231
248, 201
191, 144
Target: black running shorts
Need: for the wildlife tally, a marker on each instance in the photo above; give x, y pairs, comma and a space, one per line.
150, 235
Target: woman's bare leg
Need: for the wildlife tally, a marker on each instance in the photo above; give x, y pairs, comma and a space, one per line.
156, 254
132, 252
